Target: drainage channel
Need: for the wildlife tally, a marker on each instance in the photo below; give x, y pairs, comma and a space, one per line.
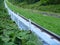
25, 24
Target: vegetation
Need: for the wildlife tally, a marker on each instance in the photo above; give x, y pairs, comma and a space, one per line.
41, 1
48, 22
11, 35
42, 5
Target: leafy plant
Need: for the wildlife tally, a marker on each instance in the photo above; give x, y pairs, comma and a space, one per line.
10, 33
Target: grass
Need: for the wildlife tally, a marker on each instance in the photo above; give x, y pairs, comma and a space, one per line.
10, 33
48, 22
37, 6
50, 8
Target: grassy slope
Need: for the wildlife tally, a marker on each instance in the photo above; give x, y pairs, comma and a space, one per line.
9, 31
50, 23
37, 6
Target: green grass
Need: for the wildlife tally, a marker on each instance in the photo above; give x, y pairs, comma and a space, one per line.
48, 22
10, 33
48, 8
37, 6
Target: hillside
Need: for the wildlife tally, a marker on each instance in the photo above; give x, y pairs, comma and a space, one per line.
41, 5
